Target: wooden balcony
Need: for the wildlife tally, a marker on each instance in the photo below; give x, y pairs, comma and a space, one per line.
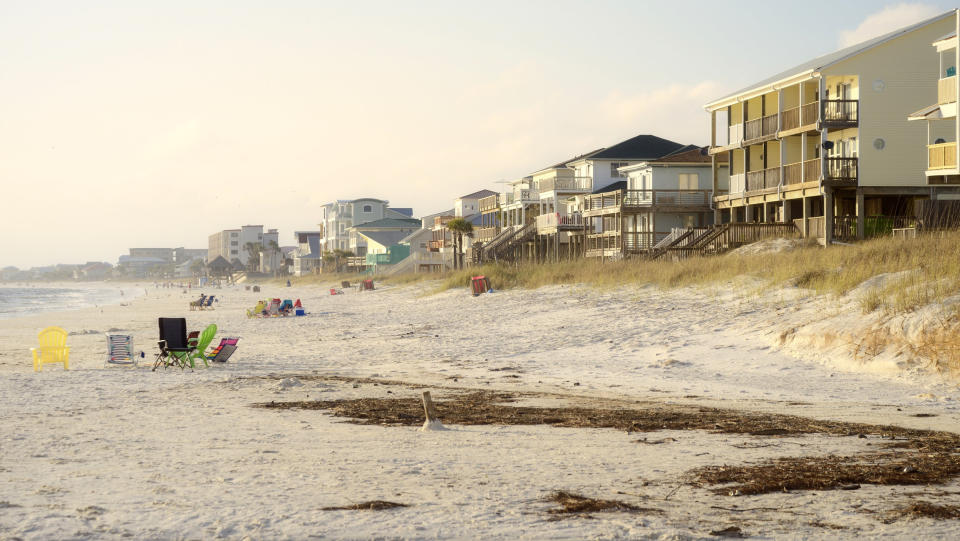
942, 156
809, 113
553, 222
567, 185
798, 117
840, 113
797, 173
611, 243
484, 234
763, 179
519, 195
947, 90
760, 128
841, 171
622, 200
490, 203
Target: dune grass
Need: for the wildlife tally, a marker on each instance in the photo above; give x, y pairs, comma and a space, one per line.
929, 267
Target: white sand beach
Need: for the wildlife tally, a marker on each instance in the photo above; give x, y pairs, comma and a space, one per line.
109, 453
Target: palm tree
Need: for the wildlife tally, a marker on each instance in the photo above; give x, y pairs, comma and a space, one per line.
459, 227
253, 252
275, 250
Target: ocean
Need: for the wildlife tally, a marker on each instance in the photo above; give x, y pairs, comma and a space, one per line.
18, 301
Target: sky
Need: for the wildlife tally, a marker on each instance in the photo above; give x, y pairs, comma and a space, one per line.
155, 124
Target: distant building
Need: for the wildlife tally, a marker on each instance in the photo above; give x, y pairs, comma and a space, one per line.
165, 254
231, 244
183, 255
469, 204
308, 256
397, 227
338, 217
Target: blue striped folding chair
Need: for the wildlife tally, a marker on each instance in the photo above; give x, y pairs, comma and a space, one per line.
120, 350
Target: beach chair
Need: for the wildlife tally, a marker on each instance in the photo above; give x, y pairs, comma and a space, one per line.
345, 284
274, 309
286, 308
120, 351
222, 352
209, 303
257, 311
198, 304
173, 344
52, 349
201, 345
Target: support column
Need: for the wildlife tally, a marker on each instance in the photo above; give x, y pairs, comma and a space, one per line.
828, 216
860, 215
748, 213
787, 214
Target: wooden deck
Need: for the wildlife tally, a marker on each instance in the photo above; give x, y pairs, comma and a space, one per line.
627, 201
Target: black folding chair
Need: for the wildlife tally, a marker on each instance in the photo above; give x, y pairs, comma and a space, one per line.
173, 343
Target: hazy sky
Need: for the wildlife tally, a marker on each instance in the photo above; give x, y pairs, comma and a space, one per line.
155, 124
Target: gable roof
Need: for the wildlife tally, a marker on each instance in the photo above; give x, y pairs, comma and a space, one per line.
412, 236
687, 154
641, 147
826, 60
618, 185
478, 195
385, 238
389, 223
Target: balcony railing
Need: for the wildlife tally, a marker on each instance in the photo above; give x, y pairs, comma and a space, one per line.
760, 127
942, 156
555, 220
796, 173
484, 234
519, 195
570, 184
682, 198
808, 113
840, 112
489, 203
763, 179
842, 170
805, 115
947, 90
645, 198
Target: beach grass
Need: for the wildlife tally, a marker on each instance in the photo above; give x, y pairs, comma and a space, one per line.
924, 270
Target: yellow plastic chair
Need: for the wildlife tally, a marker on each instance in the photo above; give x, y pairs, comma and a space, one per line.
53, 349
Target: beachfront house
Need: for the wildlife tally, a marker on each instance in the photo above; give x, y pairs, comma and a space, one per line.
397, 227
469, 205
539, 216
827, 144
308, 256
563, 228
658, 198
338, 217
943, 130
384, 248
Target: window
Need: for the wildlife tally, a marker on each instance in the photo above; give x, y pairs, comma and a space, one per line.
368, 208
613, 169
689, 181
233, 243
233, 252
